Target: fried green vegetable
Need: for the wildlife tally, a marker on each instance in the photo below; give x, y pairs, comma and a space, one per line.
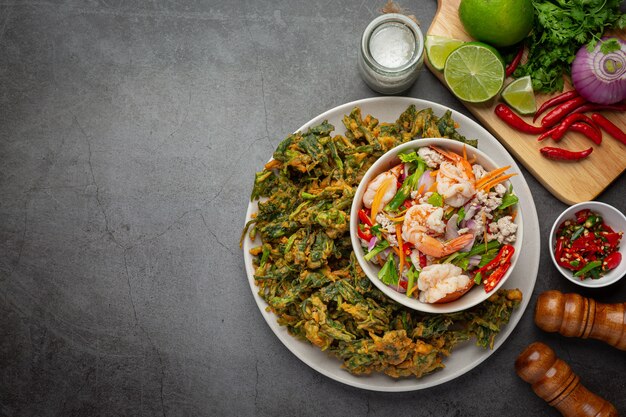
306, 270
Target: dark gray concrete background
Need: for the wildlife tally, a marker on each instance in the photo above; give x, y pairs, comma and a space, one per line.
129, 137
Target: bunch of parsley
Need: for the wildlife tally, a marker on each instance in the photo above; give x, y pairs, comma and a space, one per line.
561, 28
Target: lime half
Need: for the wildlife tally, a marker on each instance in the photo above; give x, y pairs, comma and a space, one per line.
474, 72
520, 95
438, 48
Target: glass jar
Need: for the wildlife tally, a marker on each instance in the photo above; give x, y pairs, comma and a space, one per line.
391, 54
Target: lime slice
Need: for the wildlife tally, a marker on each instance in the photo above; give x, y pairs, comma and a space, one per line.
474, 72
520, 95
438, 48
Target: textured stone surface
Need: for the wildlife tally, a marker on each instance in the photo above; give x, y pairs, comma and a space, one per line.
129, 137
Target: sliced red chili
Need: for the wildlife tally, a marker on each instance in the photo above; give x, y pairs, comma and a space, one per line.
513, 120
564, 154
365, 218
503, 256
423, 260
496, 276
407, 203
364, 235
571, 260
560, 245
612, 238
612, 261
582, 215
607, 228
585, 243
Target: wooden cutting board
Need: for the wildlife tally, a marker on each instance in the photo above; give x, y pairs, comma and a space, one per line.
570, 182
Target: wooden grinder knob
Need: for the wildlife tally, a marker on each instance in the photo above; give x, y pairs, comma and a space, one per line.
573, 315
553, 380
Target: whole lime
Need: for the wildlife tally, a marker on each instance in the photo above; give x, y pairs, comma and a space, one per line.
497, 22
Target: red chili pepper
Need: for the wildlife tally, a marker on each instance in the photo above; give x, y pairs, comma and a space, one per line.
403, 284
561, 98
582, 215
568, 259
503, 256
365, 218
599, 107
591, 132
560, 112
365, 235
408, 248
560, 245
423, 260
567, 122
607, 228
546, 134
612, 238
516, 122
611, 261
585, 243
609, 127
407, 203
493, 279
564, 154
510, 69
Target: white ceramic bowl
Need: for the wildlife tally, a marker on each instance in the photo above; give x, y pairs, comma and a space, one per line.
612, 217
390, 159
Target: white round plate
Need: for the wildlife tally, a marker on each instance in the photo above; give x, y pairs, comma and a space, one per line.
466, 356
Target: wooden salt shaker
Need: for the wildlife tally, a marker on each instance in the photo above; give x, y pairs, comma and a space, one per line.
553, 380
573, 315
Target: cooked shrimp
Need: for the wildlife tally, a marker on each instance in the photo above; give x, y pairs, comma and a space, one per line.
421, 223
455, 179
442, 283
387, 178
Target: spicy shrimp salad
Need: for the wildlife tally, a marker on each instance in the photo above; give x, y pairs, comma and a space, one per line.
439, 223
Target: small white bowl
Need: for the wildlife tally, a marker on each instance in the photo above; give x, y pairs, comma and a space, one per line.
612, 217
390, 159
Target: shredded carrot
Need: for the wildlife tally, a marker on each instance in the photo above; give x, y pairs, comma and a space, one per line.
433, 187
396, 250
513, 215
434, 173
491, 175
401, 248
464, 152
472, 159
395, 219
421, 189
496, 181
378, 197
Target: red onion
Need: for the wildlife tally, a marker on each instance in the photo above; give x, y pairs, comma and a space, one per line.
452, 230
405, 172
372, 243
599, 77
471, 226
475, 260
426, 180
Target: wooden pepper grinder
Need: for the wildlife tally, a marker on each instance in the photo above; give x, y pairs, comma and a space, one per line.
573, 315
553, 380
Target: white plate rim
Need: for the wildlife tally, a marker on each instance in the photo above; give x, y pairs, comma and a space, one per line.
526, 272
